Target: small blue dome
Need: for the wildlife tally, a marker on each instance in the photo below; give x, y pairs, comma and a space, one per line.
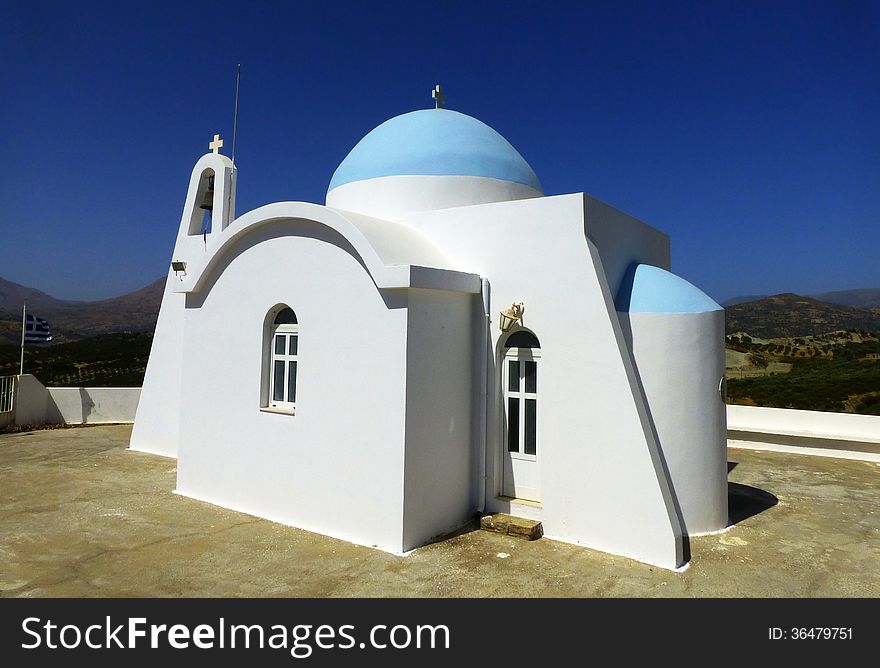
434, 142
649, 289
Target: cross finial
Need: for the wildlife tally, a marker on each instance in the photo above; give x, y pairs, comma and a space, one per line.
216, 144
439, 97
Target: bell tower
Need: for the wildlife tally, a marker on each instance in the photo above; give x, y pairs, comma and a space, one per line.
210, 202
209, 209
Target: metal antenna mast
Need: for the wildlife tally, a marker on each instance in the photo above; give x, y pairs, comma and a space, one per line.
235, 117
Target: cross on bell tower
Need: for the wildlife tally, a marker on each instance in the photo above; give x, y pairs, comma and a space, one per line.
216, 145
439, 97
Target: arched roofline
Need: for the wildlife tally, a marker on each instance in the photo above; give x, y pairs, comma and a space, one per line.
385, 276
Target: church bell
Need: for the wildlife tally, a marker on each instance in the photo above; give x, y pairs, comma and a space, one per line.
208, 199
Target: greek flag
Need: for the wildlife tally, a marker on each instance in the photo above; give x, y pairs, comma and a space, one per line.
36, 330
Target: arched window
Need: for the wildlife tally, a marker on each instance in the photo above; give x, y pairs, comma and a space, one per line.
522, 339
520, 383
284, 342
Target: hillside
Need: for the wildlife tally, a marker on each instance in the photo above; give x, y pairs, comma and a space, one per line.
133, 312
865, 298
861, 298
12, 295
109, 360
837, 371
733, 301
788, 315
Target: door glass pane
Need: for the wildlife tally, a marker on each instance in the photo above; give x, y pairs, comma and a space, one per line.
531, 427
293, 344
512, 425
531, 376
279, 345
513, 376
278, 385
291, 382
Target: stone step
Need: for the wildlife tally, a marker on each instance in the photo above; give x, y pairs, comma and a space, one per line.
508, 525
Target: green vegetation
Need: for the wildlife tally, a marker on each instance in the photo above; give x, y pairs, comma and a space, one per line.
846, 378
109, 360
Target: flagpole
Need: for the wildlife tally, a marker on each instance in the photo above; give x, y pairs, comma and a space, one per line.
23, 316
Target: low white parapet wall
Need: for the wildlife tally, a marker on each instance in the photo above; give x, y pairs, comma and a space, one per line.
92, 405
845, 435
33, 403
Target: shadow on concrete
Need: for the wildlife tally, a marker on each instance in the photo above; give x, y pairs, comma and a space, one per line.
472, 525
731, 466
744, 502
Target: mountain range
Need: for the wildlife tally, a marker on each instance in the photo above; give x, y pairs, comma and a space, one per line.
72, 320
862, 298
788, 315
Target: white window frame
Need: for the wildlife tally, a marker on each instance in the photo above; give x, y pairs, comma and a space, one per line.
521, 355
287, 331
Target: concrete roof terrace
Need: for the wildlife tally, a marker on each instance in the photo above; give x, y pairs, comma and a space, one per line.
82, 516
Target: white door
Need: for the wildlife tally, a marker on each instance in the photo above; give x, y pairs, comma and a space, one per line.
521, 475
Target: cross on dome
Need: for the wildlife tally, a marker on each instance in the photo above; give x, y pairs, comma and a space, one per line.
216, 145
439, 97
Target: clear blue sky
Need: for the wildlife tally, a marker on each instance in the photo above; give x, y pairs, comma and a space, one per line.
747, 131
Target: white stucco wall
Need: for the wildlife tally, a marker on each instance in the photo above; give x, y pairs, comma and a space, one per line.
336, 467
622, 240
602, 484
156, 427
31, 401
680, 362
439, 477
92, 405
36, 404
393, 197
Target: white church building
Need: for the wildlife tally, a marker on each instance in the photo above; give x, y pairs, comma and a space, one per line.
436, 341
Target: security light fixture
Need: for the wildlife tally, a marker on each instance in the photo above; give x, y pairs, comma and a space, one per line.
178, 267
511, 316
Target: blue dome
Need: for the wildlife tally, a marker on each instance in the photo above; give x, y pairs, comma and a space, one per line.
649, 289
434, 142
